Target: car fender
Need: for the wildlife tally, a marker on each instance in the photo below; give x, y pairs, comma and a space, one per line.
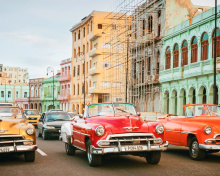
66, 132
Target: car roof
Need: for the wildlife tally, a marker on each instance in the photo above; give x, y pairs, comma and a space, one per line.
57, 112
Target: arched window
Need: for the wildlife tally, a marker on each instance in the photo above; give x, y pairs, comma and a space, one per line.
184, 53
150, 24
168, 58
205, 46
194, 49
32, 91
36, 91
217, 42
176, 56
40, 91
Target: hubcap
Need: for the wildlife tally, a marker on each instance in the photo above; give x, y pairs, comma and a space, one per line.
89, 154
195, 148
67, 148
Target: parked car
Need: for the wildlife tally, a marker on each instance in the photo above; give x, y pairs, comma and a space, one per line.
6, 104
50, 124
55, 110
16, 136
33, 115
199, 129
72, 114
113, 128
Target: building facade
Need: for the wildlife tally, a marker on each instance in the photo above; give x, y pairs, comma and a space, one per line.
36, 91
188, 52
149, 22
47, 94
65, 84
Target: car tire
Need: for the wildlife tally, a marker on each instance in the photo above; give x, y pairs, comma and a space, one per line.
29, 156
44, 135
38, 133
194, 152
70, 150
94, 160
153, 157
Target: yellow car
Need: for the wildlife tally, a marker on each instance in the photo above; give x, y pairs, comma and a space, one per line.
33, 116
16, 135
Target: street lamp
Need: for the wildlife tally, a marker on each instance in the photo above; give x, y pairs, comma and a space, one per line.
81, 54
215, 86
49, 70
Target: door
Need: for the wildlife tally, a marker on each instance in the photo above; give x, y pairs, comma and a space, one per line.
40, 123
78, 133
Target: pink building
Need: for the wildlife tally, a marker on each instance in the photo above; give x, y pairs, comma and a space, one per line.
65, 84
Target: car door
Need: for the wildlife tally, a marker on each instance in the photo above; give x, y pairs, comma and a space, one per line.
77, 132
173, 129
40, 123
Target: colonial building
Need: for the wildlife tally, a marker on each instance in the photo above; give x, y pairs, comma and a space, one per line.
36, 91
47, 94
65, 84
149, 22
187, 64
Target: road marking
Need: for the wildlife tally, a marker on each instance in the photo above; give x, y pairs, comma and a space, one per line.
41, 152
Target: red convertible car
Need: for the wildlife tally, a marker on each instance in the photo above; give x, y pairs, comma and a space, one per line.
199, 129
113, 128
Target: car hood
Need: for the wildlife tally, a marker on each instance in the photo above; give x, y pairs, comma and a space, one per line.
119, 123
206, 120
56, 123
10, 125
33, 116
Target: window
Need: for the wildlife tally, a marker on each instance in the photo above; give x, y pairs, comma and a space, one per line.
74, 53
36, 91
144, 27
117, 99
83, 88
168, 58
159, 13
79, 35
205, 46
118, 65
32, 91
84, 49
25, 94
87, 47
16, 94
65, 71
149, 65
74, 91
150, 24
176, 56
99, 26
217, 43
75, 36
87, 28
117, 84
87, 67
159, 28
78, 70
106, 65
90, 64
113, 26
78, 50
74, 71
91, 26
194, 49
69, 70
2, 94
105, 84
9, 94
184, 53
83, 68
78, 89
84, 31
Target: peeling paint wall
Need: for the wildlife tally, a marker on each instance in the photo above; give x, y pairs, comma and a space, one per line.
178, 11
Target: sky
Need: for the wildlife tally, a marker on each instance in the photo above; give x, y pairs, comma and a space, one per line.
35, 34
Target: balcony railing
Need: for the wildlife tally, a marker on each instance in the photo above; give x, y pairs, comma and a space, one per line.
94, 71
95, 90
64, 78
64, 97
94, 52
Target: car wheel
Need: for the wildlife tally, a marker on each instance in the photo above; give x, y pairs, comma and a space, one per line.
94, 160
194, 151
38, 133
29, 156
153, 157
44, 135
70, 150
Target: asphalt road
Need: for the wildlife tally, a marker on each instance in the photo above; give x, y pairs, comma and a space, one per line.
52, 160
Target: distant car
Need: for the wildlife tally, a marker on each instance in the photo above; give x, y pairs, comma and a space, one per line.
16, 136
50, 124
72, 114
6, 104
33, 115
199, 129
113, 128
52, 110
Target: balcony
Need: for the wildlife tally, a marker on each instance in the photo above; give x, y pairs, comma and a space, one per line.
63, 97
94, 71
94, 52
97, 90
64, 78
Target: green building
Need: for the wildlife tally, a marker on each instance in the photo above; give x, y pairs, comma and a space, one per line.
47, 94
188, 52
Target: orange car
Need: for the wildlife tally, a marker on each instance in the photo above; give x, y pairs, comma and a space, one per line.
199, 129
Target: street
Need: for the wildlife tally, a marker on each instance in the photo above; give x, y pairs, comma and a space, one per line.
51, 159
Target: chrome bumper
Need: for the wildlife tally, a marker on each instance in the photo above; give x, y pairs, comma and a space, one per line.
209, 147
122, 149
20, 148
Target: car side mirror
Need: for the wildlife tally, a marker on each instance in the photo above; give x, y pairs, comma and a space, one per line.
40, 120
80, 116
138, 114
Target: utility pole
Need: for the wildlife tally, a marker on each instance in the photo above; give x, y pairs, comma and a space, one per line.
126, 86
50, 69
214, 86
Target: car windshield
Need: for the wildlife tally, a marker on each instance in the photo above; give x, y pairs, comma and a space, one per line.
31, 112
111, 109
10, 112
57, 117
202, 110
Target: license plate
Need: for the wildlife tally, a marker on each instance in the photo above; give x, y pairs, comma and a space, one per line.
4, 150
134, 148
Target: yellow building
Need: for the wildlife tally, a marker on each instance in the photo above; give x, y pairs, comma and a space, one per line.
91, 43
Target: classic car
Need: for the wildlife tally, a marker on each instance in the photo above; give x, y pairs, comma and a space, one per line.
33, 115
16, 135
50, 124
113, 128
199, 129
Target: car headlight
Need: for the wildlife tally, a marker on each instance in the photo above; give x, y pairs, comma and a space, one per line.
49, 127
159, 129
208, 130
100, 131
30, 131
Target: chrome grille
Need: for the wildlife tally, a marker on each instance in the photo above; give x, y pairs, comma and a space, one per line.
11, 140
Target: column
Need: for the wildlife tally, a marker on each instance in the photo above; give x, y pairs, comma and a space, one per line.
171, 62
210, 49
199, 51
189, 53
180, 56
